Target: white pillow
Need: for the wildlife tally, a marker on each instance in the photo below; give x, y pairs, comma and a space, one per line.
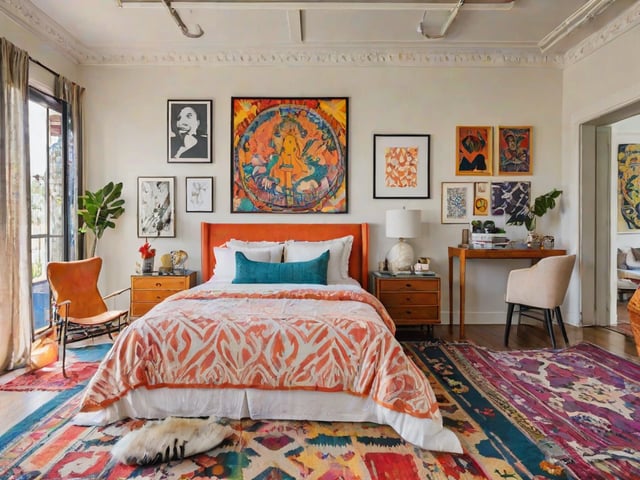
246, 244
225, 268
339, 253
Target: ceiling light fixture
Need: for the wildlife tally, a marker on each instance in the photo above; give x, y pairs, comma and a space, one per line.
587, 12
181, 24
422, 26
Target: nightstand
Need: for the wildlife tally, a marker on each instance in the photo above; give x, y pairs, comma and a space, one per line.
411, 300
149, 290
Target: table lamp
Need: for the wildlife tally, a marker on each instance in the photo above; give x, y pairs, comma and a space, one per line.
401, 224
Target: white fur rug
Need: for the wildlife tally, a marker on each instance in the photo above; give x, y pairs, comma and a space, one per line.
173, 438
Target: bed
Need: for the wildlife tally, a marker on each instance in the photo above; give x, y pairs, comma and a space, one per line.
287, 349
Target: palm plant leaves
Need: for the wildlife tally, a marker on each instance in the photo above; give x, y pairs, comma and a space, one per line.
99, 209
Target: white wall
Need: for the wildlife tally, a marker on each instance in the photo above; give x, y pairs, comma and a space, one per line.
601, 83
126, 138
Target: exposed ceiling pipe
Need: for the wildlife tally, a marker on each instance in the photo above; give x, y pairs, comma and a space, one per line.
422, 26
181, 24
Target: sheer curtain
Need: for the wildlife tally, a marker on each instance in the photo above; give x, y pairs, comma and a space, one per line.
15, 214
73, 95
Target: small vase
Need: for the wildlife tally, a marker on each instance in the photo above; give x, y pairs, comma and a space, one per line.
147, 265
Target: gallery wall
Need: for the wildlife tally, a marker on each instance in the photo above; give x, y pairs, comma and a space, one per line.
127, 133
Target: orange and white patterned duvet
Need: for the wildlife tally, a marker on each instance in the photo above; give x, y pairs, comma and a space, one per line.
324, 340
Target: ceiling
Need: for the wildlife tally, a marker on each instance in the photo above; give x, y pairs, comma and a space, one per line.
144, 31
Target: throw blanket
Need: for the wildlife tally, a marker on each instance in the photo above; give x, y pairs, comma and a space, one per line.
309, 339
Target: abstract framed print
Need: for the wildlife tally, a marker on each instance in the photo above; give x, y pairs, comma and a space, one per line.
457, 202
189, 131
481, 198
289, 155
199, 194
514, 151
474, 150
509, 197
628, 157
156, 207
401, 166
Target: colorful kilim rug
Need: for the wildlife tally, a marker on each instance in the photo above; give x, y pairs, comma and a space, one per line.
538, 414
50, 378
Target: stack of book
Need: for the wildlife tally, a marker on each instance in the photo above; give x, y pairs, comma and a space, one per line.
489, 240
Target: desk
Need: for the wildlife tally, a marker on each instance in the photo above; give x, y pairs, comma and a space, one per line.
486, 253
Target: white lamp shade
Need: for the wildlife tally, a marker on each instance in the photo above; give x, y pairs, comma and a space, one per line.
403, 223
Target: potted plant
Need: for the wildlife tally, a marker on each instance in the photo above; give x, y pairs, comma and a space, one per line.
99, 209
527, 215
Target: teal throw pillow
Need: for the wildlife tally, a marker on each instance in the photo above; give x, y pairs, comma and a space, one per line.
312, 271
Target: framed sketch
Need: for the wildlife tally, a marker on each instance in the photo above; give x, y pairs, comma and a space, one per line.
401, 166
189, 131
199, 194
514, 151
156, 207
509, 197
457, 202
628, 155
474, 150
289, 155
481, 198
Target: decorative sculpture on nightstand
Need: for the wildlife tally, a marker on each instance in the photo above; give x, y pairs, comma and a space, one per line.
178, 259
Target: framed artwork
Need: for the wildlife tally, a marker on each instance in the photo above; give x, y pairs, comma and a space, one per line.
289, 155
514, 151
189, 131
509, 197
457, 202
199, 194
628, 187
474, 150
401, 166
481, 198
156, 207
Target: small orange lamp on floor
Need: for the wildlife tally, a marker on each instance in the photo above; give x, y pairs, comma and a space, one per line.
634, 317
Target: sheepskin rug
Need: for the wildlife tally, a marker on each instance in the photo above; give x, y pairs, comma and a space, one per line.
173, 438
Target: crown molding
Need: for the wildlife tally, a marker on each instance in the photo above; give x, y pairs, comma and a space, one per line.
618, 26
35, 21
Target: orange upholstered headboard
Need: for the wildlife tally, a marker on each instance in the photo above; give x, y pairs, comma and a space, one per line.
215, 234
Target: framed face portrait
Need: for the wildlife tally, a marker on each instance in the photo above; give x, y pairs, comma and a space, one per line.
473, 150
156, 207
514, 151
189, 131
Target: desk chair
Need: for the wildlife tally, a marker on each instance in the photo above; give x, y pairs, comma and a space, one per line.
80, 311
542, 286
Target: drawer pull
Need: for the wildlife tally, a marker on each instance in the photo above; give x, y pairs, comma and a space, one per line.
158, 284
158, 297
408, 285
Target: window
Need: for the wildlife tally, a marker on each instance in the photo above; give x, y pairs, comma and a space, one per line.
49, 197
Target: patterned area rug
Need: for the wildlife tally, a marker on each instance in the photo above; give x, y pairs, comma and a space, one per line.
573, 413
81, 364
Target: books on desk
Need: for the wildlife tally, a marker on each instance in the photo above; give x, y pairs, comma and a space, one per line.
427, 273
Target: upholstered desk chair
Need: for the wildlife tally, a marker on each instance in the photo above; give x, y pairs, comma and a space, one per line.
542, 286
80, 311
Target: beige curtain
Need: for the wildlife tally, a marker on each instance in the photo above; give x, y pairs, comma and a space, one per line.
73, 95
15, 255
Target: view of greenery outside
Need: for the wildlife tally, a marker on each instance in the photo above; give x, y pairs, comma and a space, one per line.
47, 202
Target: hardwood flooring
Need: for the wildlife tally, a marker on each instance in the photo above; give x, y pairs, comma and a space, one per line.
528, 335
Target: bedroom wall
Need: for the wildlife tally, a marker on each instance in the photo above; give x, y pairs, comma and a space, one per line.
126, 138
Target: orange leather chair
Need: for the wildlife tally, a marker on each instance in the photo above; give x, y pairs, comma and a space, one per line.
80, 311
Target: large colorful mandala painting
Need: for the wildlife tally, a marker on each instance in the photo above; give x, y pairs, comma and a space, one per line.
289, 155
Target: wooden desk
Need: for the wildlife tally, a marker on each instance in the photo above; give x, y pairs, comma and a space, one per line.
486, 253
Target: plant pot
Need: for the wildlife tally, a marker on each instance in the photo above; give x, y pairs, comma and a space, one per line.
147, 265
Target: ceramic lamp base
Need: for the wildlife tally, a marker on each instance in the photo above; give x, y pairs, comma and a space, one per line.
400, 258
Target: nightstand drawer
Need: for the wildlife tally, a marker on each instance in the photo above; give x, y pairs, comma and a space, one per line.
414, 313
151, 295
409, 298
159, 282
409, 285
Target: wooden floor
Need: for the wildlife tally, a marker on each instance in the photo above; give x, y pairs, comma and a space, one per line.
17, 405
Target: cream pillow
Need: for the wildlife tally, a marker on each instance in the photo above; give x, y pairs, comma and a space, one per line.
339, 253
225, 269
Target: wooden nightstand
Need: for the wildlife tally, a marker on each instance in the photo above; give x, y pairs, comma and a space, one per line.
149, 290
412, 300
